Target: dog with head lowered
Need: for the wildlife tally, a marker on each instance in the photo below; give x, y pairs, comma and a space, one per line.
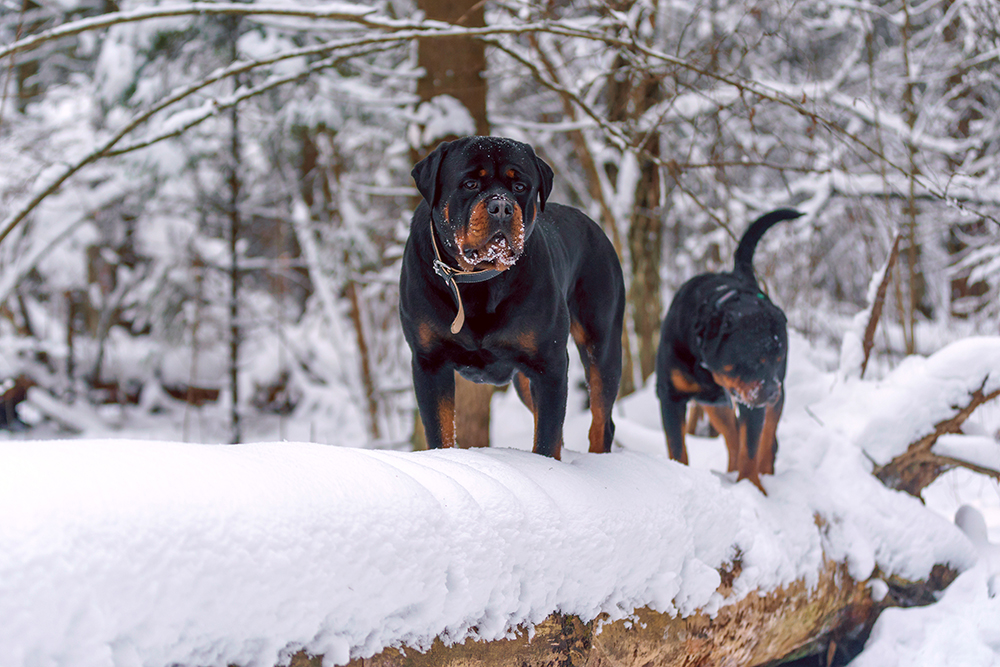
724, 345
494, 281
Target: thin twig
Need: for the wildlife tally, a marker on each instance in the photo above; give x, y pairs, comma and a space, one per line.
868, 342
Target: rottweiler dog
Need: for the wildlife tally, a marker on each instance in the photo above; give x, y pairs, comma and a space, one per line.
724, 344
495, 279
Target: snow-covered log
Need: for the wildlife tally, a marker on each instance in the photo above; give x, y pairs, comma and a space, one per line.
787, 622
119, 552
153, 553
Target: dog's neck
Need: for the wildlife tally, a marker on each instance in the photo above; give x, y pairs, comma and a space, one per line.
453, 276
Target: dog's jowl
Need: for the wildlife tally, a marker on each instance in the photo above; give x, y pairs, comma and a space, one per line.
494, 281
724, 344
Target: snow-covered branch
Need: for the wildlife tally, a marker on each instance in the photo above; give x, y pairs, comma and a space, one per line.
346, 15
49, 185
193, 117
918, 466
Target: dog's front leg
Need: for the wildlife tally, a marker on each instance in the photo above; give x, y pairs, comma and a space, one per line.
672, 413
435, 390
548, 393
751, 424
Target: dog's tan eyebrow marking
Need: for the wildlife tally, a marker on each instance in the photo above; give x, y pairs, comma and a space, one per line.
482, 172
511, 173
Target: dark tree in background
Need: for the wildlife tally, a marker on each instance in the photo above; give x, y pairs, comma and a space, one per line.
632, 92
456, 67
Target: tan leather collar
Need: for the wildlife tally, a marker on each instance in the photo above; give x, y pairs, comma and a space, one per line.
453, 276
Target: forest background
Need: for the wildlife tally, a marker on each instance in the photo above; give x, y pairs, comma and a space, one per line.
203, 206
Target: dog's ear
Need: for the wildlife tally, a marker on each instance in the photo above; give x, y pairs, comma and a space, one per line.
425, 174
709, 327
544, 182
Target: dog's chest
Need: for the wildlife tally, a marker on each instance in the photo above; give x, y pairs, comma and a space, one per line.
485, 365
492, 357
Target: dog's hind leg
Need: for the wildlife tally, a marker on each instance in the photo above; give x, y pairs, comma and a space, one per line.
523, 388
603, 384
603, 368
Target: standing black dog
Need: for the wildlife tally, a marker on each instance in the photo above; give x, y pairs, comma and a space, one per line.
724, 344
493, 282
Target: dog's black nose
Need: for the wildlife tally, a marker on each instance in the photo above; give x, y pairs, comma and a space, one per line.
500, 209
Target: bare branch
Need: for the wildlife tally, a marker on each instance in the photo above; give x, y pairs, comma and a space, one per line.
363, 18
614, 134
391, 31
875, 313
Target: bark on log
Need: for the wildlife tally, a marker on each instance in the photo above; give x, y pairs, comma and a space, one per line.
784, 624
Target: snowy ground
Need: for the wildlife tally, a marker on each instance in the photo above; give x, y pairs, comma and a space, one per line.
144, 552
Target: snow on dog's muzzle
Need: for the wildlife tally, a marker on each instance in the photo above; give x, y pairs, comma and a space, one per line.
493, 237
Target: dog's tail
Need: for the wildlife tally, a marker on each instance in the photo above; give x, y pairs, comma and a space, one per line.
748, 244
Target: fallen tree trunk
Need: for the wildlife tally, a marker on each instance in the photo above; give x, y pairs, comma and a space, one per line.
787, 623
831, 615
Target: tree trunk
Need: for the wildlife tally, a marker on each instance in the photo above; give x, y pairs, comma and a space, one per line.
27, 88
645, 240
914, 277
236, 434
456, 67
367, 377
630, 95
784, 624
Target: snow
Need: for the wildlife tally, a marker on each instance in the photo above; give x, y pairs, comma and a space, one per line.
440, 117
981, 450
136, 552
962, 629
918, 394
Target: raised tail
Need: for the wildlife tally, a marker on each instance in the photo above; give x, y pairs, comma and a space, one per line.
748, 244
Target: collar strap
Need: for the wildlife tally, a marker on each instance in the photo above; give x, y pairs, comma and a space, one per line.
453, 276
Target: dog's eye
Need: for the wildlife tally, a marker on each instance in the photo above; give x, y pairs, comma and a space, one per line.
470, 184
520, 187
